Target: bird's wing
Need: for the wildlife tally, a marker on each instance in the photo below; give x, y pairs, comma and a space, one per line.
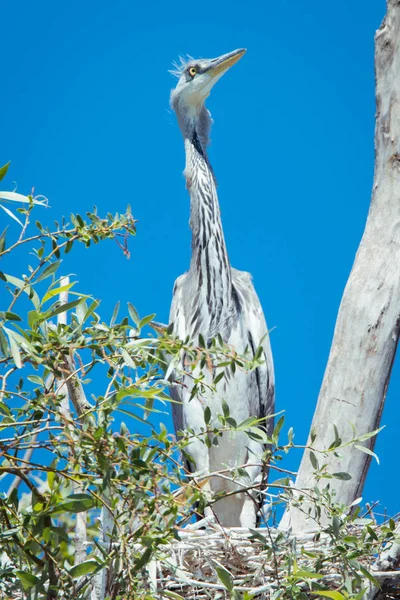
254, 321
177, 318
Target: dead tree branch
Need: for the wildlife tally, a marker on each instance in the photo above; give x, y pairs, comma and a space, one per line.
367, 328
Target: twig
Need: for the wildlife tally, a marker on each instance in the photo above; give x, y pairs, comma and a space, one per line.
27, 457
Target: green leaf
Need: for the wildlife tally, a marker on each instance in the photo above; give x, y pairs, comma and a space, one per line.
20, 339
336, 526
338, 440
12, 316
372, 533
49, 270
342, 475
33, 317
3, 343
144, 559
284, 481
257, 434
4, 169
35, 379
225, 578
207, 415
218, 377
14, 197
350, 539
225, 408
75, 503
7, 533
128, 359
55, 292
307, 574
3, 241
115, 314
22, 285
62, 308
314, 461
259, 353
330, 594
257, 536
278, 428
14, 349
367, 451
367, 436
11, 214
249, 422
81, 311
89, 566
133, 415
172, 595
27, 579
133, 314
60, 532
369, 576
91, 309
146, 320
9, 316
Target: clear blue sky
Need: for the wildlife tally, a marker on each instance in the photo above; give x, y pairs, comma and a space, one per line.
85, 119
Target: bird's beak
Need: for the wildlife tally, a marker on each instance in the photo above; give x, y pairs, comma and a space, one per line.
221, 64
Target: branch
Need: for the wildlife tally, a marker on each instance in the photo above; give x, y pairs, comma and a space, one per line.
367, 328
390, 558
386, 564
61, 319
76, 395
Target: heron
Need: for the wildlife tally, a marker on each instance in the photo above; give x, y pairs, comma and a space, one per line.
213, 299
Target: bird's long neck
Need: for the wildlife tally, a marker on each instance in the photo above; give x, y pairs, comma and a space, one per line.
209, 264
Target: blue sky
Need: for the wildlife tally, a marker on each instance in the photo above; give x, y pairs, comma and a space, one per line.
86, 120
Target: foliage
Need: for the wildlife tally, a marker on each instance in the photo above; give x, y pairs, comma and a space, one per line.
88, 502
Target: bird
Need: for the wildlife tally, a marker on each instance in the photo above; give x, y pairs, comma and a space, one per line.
213, 299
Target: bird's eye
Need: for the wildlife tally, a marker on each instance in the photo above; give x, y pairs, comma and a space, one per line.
192, 71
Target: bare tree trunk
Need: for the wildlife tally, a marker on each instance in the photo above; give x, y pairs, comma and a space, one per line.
80, 526
367, 328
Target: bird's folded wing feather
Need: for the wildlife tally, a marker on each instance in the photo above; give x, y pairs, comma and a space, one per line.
263, 403
177, 317
254, 321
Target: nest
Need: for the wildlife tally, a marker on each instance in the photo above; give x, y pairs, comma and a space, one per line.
208, 564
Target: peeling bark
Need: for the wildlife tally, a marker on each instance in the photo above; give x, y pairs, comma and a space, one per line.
367, 328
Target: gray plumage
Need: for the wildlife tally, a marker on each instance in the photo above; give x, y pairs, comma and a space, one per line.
212, 298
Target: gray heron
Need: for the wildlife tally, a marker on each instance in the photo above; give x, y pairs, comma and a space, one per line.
213, 298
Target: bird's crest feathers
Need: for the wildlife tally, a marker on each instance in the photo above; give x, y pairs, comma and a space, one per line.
180, 65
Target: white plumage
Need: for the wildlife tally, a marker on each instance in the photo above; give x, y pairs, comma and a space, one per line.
213, 299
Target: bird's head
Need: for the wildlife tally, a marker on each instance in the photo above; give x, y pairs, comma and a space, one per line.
196, 78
